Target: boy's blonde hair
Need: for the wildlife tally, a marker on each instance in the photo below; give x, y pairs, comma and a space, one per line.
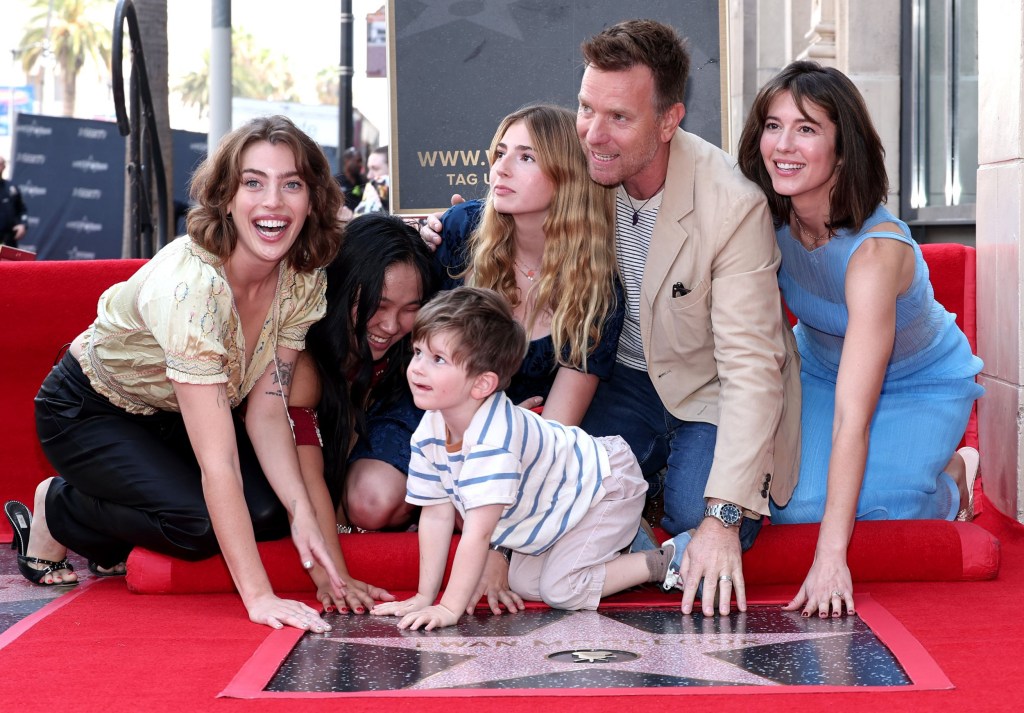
484, 333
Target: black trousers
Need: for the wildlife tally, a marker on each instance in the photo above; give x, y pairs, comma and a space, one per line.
127, 480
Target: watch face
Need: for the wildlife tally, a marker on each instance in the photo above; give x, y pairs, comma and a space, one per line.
731, 514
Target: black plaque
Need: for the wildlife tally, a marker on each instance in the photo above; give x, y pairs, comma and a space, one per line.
459, 66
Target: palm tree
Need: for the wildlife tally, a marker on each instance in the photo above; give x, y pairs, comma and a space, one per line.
255, 73
68, 32
327, 85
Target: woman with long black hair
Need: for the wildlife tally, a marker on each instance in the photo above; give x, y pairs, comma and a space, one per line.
350, 400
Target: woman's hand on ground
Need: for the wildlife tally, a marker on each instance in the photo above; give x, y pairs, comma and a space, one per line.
360, 597
827, 588
278, 613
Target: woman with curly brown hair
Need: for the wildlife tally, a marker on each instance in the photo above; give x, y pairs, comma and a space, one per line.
141, 417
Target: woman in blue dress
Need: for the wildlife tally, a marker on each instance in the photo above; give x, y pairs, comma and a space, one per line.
887, 377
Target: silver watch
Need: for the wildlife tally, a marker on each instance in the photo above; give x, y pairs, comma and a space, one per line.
728, 514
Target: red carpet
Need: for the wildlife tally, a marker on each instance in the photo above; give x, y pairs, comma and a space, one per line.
110, 650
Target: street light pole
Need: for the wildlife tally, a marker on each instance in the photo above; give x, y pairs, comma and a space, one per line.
345, 82
220, 74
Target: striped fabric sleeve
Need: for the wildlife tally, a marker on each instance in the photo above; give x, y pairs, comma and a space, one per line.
489, 476
424, 486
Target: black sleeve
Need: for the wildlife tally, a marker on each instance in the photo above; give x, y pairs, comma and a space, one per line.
19, 206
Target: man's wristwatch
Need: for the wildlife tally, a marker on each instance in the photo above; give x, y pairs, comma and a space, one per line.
504, 552
728, 514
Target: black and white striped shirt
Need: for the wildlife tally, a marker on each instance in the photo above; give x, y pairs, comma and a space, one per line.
632, 243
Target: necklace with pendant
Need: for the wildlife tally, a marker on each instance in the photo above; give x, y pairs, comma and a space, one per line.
804, 234
636, 211
529, 273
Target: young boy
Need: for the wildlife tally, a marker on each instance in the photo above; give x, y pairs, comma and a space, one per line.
563, 502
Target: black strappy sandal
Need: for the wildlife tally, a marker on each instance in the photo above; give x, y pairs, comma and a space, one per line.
21, 522
104, 572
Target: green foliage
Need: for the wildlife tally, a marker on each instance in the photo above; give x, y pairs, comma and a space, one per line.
256, 73
66, 33
327, 85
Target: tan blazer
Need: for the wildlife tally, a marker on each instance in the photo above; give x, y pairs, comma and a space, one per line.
723, 352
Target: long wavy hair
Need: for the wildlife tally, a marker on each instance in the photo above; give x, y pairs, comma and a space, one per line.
338, 344
861, 182
577, 275
219, 178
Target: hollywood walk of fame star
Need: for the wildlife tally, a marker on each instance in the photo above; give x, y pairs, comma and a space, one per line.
492, 14
487, 660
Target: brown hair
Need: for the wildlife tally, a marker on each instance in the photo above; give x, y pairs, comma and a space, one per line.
861, 182
484, 332
218, 178
652, 44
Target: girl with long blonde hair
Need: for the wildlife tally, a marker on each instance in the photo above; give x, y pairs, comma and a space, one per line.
544, 239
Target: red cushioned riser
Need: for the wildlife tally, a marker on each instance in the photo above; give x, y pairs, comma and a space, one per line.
46, 304
893, 551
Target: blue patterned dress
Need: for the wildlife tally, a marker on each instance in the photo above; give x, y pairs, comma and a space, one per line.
927, 392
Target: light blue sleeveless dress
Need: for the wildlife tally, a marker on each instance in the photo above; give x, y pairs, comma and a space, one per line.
926, 396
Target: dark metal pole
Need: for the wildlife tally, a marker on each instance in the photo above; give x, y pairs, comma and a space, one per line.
220, 73
345, 138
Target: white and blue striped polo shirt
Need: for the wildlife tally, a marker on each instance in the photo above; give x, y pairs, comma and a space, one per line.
546, 474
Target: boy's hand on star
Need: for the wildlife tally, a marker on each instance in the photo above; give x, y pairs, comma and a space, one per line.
430, 618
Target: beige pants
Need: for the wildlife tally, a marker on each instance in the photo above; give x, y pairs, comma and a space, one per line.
570, 575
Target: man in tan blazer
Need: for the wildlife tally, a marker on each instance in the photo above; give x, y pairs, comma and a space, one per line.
701, 380
707, 380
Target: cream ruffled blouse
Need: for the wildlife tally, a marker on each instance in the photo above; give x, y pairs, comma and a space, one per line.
175, 321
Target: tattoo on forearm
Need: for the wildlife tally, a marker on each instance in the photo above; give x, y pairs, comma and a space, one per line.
284, 373
282, 377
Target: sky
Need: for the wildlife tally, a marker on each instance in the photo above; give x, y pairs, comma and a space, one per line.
309, 39
306, 32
